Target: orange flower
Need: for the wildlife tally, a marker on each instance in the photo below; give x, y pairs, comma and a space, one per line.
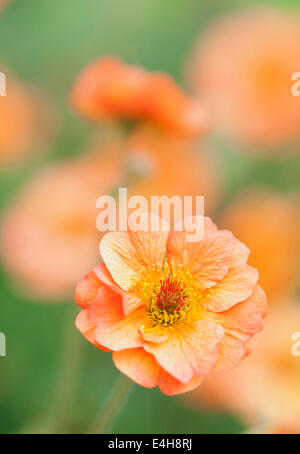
171, 310
25, 123
265, 220
242, 70
108, 89
48, 235
264, 390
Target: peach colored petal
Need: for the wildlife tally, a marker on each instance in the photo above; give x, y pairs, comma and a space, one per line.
240, 323
87, 289
191, 350
170, 386
120, 258
259, 298
126, 254
237, 285
208, 259
150, 245
156, 334
232, 351
251, 344
130, 303
114, 330
240, 253
87, 329
106, 278
138, 365
242, 319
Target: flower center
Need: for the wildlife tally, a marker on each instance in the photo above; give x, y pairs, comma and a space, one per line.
169, 304
170, 294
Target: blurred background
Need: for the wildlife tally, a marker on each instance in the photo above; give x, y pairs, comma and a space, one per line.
54, 164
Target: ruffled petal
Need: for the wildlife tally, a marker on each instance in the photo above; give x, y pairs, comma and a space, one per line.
191, 350
105, 277
259, 298
240, 323
114, 330
130, 301
138, 365
237, 285
127, 254
240, 254
208, 259
170, 386
87, 329
87, 289
232, 351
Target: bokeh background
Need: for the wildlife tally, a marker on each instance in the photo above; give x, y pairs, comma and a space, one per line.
52, 380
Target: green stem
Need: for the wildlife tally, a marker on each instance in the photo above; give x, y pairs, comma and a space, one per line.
68, 373
112, 406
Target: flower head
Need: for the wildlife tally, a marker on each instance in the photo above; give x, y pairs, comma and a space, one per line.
242, 71
171, 311
108, 89
48, 236
277, 217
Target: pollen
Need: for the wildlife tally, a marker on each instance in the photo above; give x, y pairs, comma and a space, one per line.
169, 293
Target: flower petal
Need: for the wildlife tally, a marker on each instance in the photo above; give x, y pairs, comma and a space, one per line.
170, 386
127, 254
138, 365
87, 289
156, 334
149, 238
208, 260
240, 323
120, 258
243, 318
259, 298
114, 330
87, 329
106, 278
130, 301
237, 285
232, 351
240, 254
191, 350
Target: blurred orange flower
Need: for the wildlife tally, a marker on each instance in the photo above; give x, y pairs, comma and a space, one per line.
267, 223
159, 164
108, 89
242, 70
26, 121
48, 235
264, 390
168, 309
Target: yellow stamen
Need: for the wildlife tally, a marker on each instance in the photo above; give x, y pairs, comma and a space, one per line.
170, 293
